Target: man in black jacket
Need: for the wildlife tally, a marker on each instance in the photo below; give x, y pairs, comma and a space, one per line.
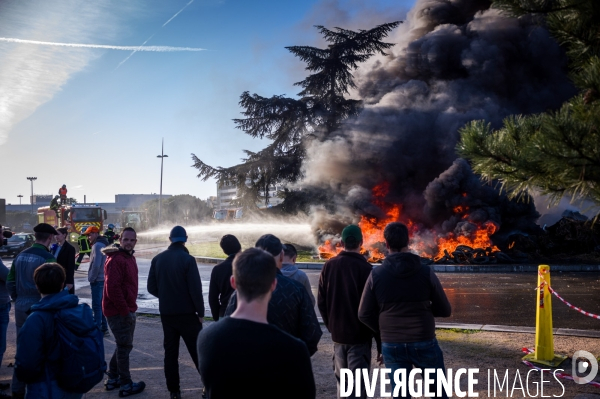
340, 288
220, 289
290, 307
174, 279
65, 256
400, 300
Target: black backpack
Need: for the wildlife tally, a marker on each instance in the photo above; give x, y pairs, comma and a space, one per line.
81, 345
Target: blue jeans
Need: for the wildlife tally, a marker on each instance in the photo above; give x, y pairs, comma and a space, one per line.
4, 318
425, 354
97, 288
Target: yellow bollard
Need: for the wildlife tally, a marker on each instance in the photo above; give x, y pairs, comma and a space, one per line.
544, 339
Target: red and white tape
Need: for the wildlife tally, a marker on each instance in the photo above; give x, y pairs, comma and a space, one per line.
564, 376
595, 316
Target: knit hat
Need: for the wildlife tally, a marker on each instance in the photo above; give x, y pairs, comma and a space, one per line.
45, 228
178, 234
352, 230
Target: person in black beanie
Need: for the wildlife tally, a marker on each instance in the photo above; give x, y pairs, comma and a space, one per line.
174, 279
220, 290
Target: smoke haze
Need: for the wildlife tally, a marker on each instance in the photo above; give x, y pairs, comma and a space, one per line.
454, 61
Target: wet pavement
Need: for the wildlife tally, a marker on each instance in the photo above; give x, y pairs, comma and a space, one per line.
476, 298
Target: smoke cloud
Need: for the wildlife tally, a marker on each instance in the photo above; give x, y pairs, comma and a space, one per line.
454, 61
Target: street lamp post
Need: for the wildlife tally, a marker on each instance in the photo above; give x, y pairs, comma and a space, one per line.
162, 156
20, 196
31, 179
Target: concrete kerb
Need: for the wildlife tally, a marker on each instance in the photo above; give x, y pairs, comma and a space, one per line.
462, 326
502, 268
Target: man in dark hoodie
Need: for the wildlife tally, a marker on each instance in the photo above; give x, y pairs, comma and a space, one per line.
96, 274
400, 300
174, 279
341, 284
220, 290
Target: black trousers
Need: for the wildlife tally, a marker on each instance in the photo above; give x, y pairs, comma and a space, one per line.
80, 258
186, 326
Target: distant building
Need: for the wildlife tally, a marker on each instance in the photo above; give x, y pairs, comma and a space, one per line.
227, 193
42, 200
212, 201
2, 211
131, 202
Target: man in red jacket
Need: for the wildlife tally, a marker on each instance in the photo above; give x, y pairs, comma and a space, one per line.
119, 306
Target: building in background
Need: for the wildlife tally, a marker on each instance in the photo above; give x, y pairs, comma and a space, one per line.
227, 193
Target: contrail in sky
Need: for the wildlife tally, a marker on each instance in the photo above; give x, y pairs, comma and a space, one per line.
102, 46
170, 19
177, 13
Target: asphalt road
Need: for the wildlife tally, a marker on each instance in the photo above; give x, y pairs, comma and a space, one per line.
476, 298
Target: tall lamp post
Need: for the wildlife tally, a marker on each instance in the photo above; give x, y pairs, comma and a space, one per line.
162, 156
31, 179
20, 196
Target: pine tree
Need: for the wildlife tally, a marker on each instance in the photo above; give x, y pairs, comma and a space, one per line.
289, 123
558, 152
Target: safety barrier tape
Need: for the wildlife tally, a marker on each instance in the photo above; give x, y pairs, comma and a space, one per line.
565, 376
595, 316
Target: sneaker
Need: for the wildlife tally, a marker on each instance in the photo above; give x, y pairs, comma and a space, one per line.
112, 383
176, 395
131, 389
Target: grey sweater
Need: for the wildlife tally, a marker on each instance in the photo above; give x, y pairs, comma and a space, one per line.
97, 260
291, 271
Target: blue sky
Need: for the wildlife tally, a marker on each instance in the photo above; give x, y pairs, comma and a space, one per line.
77, 116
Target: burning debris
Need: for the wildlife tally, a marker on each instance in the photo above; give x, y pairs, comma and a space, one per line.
455, 61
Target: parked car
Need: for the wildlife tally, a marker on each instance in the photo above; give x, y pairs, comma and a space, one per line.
16, 244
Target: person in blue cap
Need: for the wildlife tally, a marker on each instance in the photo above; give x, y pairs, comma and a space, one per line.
174, 279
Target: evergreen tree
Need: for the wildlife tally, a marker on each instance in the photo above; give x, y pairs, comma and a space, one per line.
558, 152
318, 112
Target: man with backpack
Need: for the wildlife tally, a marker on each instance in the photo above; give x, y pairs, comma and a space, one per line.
46, 359
21, 286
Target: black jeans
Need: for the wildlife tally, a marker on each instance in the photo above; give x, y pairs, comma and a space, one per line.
186, 326
122, 328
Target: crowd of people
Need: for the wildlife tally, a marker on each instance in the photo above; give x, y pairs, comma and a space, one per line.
265, 330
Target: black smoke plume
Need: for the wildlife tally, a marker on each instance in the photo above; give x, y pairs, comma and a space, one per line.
454, 61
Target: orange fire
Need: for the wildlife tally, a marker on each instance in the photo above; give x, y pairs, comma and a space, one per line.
480, 239
374, 243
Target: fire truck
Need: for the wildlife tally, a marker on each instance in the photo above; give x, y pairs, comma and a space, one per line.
75, 217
